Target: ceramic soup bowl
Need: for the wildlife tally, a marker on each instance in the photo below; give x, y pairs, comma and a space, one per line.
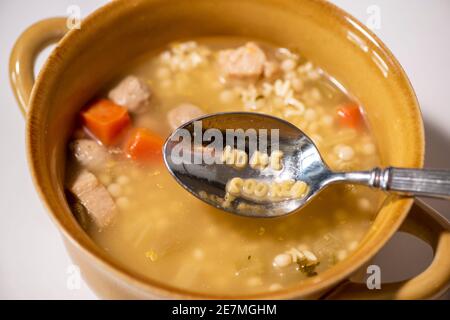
87, 58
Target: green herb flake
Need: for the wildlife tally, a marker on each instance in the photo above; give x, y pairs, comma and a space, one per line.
309, 271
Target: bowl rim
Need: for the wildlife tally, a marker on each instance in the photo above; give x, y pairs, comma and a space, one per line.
81, 241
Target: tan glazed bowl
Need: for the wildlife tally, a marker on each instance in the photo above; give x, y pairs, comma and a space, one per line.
87, 58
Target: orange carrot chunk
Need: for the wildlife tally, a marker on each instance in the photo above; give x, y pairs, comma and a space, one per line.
350, 115
106, 120
144, 145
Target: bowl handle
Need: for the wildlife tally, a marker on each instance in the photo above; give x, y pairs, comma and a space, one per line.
24, 54
426, 224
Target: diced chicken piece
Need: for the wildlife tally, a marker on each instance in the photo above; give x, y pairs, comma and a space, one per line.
182, 114
132, 93
246, 62
93, 196
89, 154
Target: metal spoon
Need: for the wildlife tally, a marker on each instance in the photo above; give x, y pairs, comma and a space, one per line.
301, 161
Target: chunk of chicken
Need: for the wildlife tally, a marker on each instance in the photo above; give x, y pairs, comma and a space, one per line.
182, 114
89, 154
132, 93
93, 196
246, 62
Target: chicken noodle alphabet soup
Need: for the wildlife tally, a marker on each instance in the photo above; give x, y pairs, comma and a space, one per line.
124, 198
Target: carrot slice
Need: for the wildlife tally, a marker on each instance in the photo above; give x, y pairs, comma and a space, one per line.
350, 115
144, 145
106, 120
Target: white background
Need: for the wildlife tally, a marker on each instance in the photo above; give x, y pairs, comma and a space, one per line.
33, 262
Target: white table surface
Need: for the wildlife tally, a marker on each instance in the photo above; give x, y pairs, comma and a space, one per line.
33, 262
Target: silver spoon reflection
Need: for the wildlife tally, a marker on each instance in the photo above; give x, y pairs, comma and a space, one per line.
187, 148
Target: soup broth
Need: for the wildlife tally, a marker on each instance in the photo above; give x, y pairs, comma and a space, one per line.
164, 233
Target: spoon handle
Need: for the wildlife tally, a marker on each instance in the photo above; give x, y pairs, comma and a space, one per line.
417, 182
